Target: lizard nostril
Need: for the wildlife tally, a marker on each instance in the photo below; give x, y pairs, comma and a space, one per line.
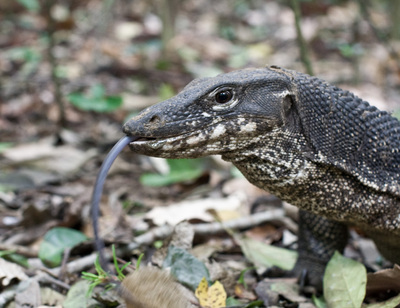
154, 119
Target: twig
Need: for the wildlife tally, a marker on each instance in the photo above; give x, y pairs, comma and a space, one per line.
21, 250
43, 277
240, 223
53, 64
63, 267
77, 265
168, 11
304, 53
211, 228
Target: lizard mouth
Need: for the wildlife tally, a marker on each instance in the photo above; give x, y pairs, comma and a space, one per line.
144, 139
155, 143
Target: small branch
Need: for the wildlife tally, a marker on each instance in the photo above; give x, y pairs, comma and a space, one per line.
76, 265
211, 228
53, 64
43, 277
240, 223
21, 250
304, 52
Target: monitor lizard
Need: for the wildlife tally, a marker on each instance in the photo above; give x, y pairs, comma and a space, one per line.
308, 142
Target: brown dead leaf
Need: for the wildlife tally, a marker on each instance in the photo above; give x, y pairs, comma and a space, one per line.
241, 292
381, 281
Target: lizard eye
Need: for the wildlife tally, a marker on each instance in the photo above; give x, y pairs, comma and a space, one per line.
223, 96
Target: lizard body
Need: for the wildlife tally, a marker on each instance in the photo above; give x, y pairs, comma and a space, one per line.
310, 143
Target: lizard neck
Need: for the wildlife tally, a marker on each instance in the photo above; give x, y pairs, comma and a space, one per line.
290, 173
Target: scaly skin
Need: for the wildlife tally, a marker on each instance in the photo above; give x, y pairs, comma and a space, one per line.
311, 144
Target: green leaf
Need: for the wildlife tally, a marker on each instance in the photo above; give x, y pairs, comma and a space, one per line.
31, 5
5, 145
181, 170
76, 296
158, 180
97, 91
26, 54
241, 279
319, 301
13, 257
266, 255
95, 100
255, 304
55, 242
344, 282
233, 302
235, 172
396, 114
166, 91
186, 268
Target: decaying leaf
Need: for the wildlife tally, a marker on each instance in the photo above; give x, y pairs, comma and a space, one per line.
211, 297
47, 157
10, 271
387, 279
29, 295
193, 209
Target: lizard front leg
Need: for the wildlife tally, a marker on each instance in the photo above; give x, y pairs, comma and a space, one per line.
318, 239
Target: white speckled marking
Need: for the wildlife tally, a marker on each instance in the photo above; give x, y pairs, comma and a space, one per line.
282, 94
249, 127
195, 139
168, 147
219, 130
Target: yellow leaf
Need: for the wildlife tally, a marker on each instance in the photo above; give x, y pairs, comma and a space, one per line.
202, 292
217, 295
211, 297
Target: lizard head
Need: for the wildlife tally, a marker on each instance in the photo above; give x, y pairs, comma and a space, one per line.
214, 115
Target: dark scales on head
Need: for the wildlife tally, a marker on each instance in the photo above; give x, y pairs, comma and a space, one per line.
312, 144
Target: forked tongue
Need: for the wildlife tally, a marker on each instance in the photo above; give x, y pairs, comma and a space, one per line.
98, 189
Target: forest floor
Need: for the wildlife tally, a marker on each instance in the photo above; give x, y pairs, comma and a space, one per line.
113, 54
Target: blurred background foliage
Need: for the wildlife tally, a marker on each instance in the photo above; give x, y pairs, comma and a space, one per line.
107, 55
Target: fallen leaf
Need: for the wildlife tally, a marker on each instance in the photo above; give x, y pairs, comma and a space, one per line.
44, 156
184, 267
344, 282
77, 296
51, 297
265, 255
193, 209
56, 241
30, 295
289, 290
393, 302
241, 292
211, 297
384, 280
9, 271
